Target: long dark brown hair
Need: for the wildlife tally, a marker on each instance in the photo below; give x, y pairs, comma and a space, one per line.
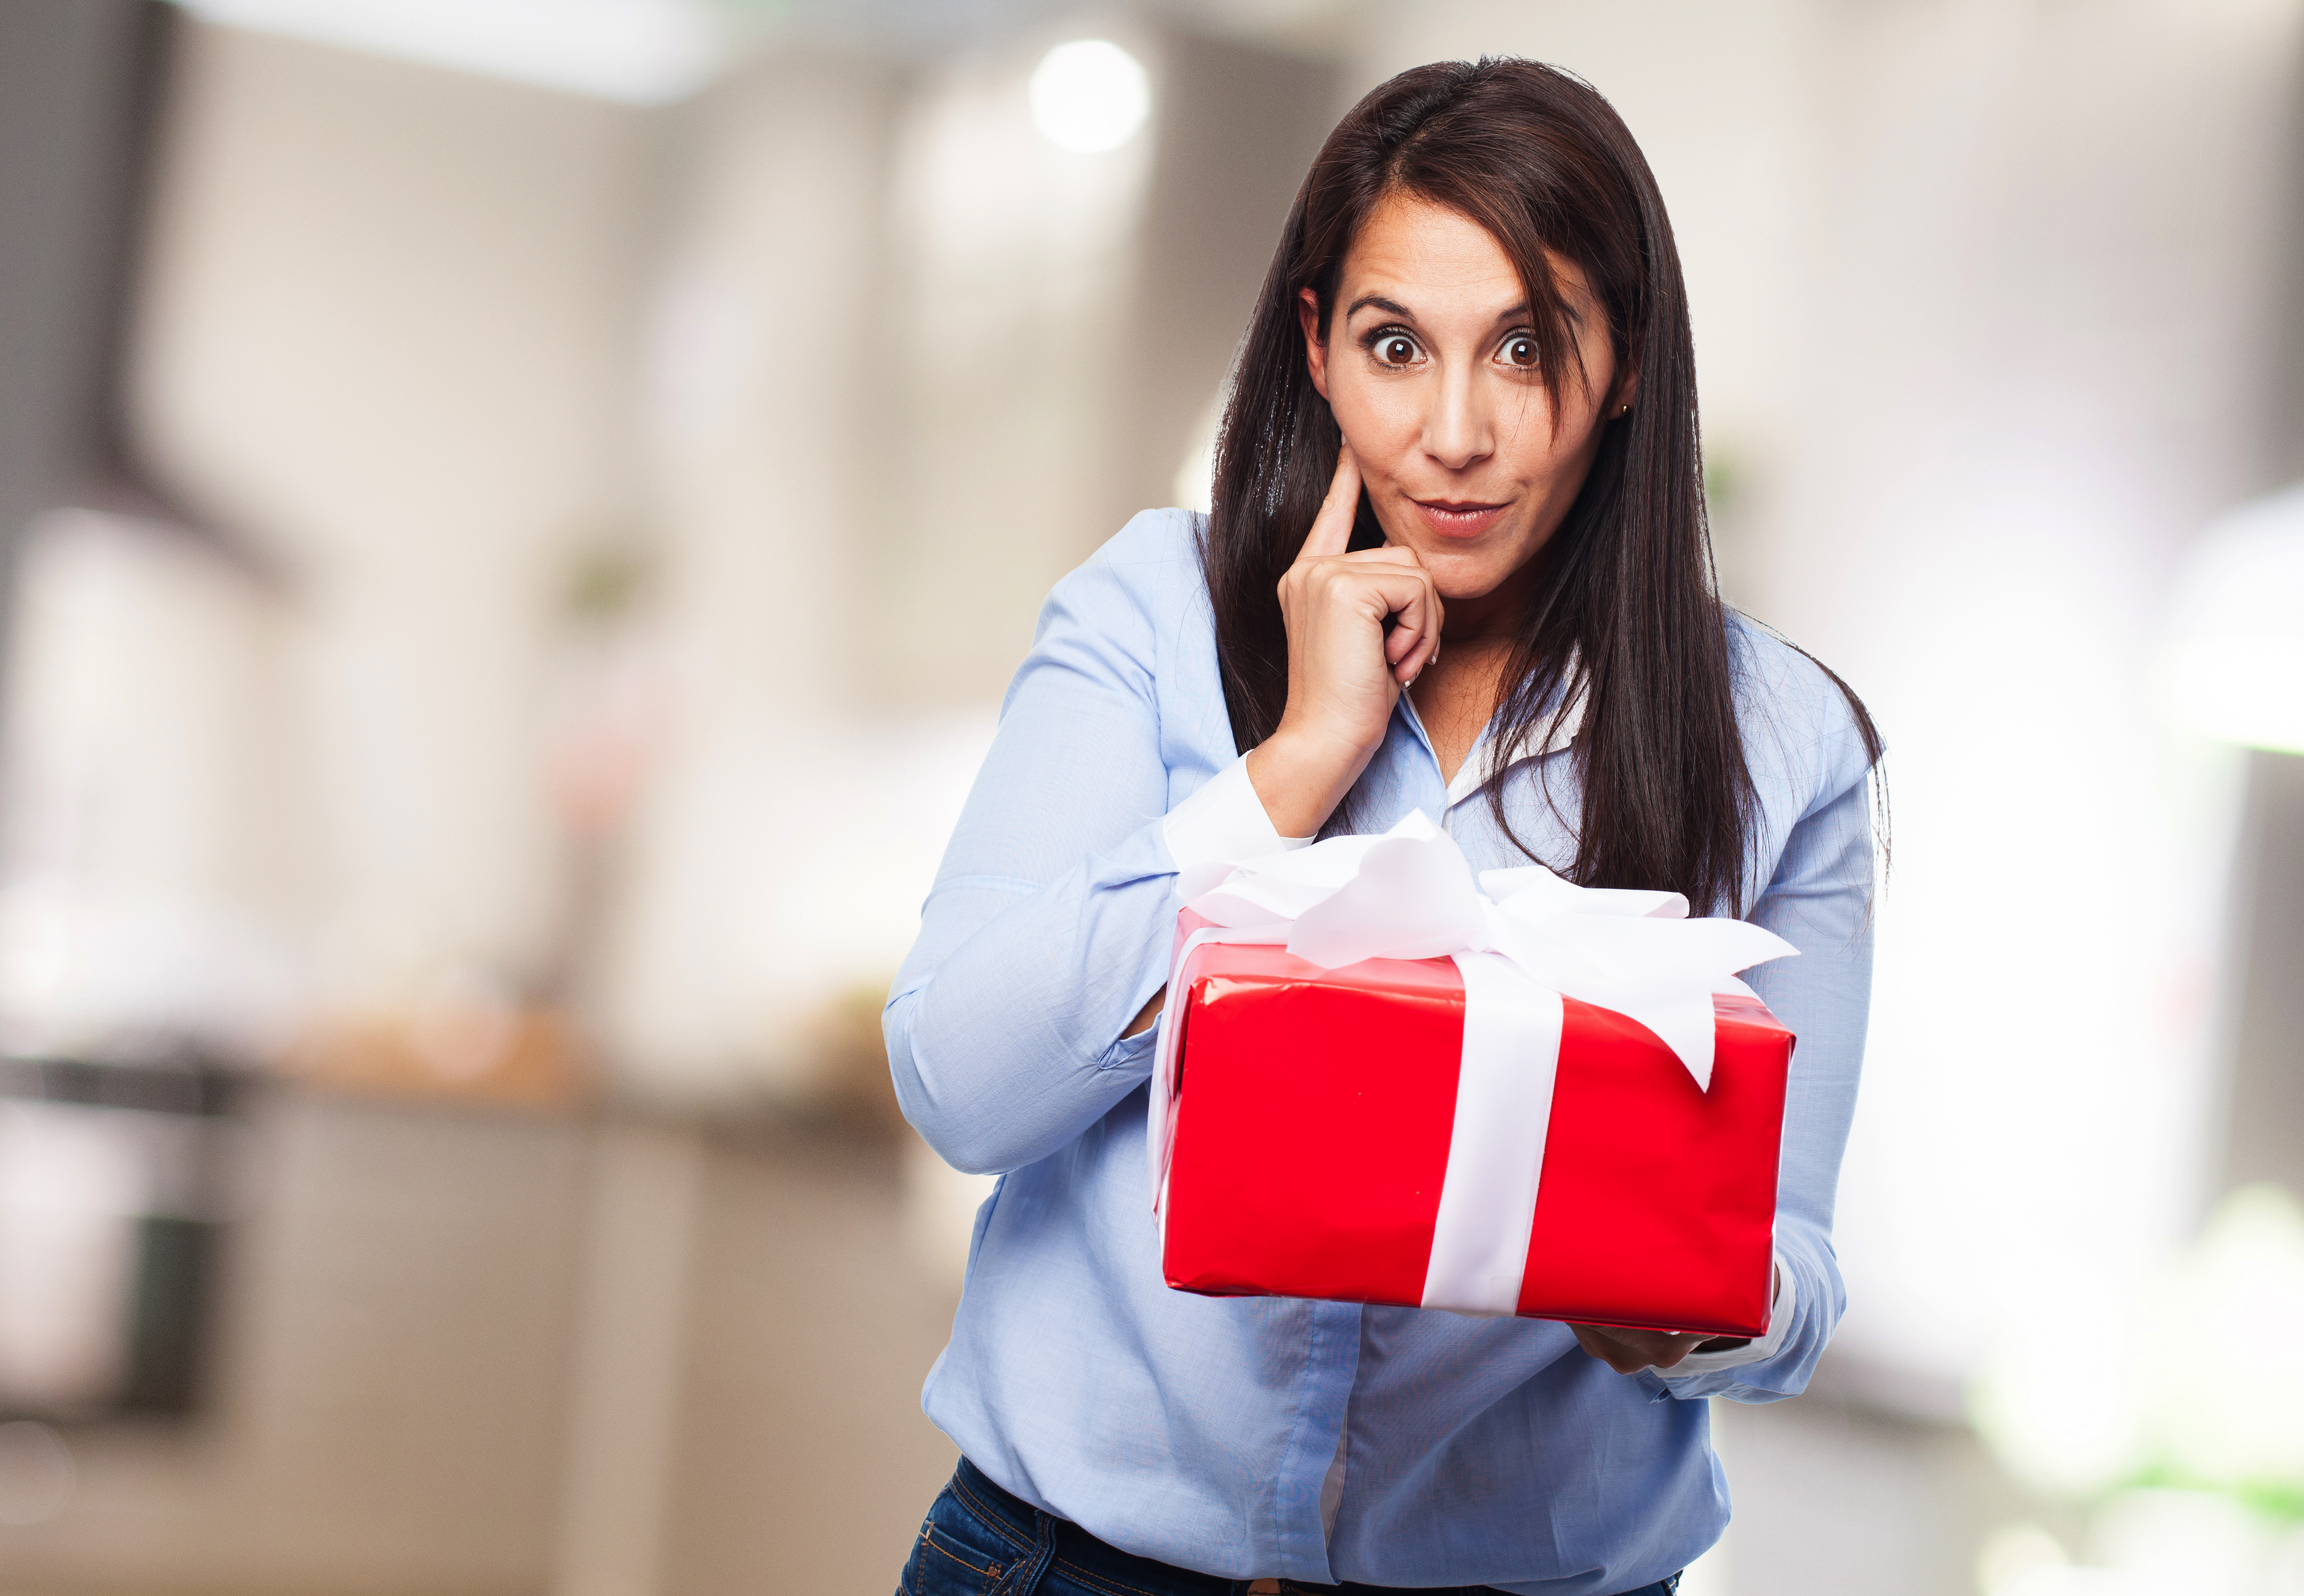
1626, 614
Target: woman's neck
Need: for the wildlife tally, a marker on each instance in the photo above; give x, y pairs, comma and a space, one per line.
1457, 693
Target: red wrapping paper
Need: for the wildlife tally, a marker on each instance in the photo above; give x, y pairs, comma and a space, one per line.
1313, 1114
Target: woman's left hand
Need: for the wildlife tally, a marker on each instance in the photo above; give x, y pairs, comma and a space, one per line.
1630, 1351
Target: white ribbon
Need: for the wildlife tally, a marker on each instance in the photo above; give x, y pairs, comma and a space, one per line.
1522, 940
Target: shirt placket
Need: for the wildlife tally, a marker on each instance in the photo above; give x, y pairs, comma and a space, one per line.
1445, 805
1314, 1475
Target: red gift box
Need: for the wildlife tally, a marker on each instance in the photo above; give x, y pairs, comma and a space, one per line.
1314, 1111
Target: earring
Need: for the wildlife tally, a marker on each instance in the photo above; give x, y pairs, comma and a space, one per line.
1624, 412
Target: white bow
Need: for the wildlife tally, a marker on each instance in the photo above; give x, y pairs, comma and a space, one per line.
1411, 894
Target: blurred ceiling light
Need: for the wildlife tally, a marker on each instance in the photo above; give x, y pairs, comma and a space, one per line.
2233, 668
1089, 95
645, 52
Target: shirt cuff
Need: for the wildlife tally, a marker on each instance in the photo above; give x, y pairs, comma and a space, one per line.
1224, 821
1780, 1328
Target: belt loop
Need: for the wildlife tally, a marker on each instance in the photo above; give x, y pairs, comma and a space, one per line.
1023, 1578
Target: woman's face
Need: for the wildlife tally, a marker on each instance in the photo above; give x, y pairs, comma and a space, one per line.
1430, 367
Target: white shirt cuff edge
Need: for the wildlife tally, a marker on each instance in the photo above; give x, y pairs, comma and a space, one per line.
1780, 1325
1223, 820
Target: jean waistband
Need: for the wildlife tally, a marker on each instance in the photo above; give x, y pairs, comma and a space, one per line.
1075, 1546
1115, 1567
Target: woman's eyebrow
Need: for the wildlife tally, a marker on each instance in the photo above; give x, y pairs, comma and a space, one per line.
1376, 301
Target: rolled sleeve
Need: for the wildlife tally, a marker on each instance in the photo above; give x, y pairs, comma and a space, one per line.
1684, 1376
1223, 820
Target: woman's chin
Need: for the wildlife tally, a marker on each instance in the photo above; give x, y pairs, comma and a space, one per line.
1462, 576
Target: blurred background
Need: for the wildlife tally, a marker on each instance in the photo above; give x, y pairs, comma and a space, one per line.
517, 515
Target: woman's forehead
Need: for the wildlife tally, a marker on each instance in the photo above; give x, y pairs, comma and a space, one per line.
1411, 248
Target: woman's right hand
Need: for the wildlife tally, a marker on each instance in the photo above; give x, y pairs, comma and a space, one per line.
1346, 671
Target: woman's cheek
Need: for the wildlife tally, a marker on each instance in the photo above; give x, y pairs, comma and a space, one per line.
1379, 426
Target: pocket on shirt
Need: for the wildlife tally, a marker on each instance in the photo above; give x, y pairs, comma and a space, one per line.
955, 1553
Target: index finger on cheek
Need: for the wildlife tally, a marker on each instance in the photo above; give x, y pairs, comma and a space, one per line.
1332, 528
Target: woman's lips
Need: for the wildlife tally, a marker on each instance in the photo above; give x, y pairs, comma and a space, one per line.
1459, 517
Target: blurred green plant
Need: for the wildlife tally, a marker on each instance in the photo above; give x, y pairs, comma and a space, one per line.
1723, 483
604, 581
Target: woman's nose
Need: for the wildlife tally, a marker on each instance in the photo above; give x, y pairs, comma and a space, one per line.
1457, 427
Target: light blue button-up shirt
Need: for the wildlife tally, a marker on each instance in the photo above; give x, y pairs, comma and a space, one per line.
1318, 1441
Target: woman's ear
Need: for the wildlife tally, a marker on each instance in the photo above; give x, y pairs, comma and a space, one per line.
1316, 353
1628, 392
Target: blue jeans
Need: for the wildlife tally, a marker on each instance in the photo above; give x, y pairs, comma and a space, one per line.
979, 1541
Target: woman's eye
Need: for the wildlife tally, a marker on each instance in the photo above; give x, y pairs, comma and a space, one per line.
1521, 352
1394, 349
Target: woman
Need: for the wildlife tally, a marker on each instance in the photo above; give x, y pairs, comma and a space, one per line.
1457, 562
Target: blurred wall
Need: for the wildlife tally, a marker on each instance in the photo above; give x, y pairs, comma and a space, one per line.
388, 331
908, 362
766, 354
